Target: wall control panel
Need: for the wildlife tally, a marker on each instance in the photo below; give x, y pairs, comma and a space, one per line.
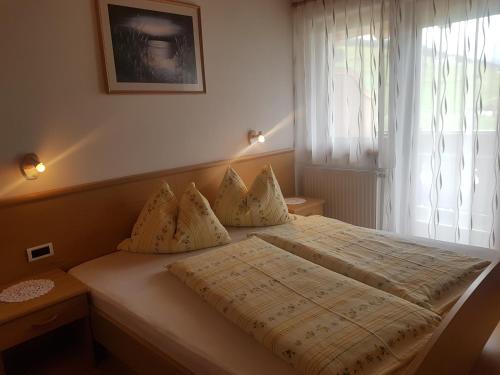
40, 252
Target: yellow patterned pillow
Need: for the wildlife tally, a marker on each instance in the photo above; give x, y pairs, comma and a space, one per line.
165, 226
262, 205
197, 225
155, 226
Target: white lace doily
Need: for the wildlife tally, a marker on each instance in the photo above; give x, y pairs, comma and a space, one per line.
26, 290
294, 200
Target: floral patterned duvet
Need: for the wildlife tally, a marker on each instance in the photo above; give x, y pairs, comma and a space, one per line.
317, 320
430, 277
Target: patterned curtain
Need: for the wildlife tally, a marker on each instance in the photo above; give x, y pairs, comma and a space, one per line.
411, 87
340, 54
445, 180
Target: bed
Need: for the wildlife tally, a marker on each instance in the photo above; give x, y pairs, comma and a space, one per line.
125, 286
188, 335
101, 216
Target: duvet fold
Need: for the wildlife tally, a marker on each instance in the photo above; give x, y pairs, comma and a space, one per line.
427, 276
317, 320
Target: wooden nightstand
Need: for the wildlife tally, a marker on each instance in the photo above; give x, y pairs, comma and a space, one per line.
65, 305
312, 206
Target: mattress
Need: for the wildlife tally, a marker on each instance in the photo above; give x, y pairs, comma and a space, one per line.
138, 292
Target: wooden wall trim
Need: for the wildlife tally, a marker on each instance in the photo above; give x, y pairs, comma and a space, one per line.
88, 221
27, 198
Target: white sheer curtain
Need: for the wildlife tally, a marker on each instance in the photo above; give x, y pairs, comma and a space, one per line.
445, 181
340, 54
413, 87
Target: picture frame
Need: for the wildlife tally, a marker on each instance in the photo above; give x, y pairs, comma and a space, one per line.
151, 46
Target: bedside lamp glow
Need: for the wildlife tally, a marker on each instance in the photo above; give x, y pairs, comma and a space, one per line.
256, 137
32, 167
40, 167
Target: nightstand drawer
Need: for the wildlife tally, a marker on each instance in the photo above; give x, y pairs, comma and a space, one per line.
42, 321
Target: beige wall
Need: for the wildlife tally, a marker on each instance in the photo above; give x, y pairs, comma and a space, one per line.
52, 98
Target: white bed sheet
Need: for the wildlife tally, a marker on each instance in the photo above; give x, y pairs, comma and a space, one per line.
137, 291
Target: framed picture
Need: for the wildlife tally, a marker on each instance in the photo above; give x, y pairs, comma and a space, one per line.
152, 46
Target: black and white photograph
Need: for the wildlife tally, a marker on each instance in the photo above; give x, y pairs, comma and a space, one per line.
152, 46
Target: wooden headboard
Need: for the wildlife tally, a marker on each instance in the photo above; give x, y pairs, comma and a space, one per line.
88, 221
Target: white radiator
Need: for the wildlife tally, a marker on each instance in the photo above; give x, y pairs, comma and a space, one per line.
350, 195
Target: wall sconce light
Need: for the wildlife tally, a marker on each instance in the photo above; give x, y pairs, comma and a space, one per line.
256, 137
32, 167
